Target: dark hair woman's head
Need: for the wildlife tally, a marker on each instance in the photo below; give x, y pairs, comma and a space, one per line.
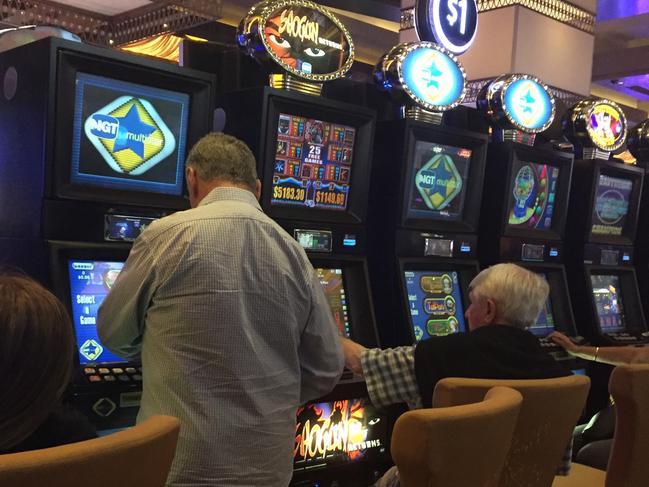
36, 353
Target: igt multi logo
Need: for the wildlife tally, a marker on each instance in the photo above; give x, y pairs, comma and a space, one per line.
130, 135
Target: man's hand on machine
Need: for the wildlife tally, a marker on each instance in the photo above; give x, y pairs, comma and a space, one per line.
352, 352
563, 341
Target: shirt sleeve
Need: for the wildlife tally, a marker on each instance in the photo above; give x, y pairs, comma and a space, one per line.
390, 376
321, 355
120, 319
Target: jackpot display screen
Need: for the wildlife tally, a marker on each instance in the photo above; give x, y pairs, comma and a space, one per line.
611, 205
128, 136
608, 301
313, 163
338, 433
333, 285
544, 324
533, 195
90, 282
438, 185
435, 303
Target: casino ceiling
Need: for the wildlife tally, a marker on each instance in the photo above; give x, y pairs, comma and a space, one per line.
621, 60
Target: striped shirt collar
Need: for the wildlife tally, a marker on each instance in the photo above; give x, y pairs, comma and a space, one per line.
230, 193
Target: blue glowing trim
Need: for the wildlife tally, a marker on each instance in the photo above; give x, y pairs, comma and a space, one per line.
349, 242
465, 249
554, 253
432, 79
528, 105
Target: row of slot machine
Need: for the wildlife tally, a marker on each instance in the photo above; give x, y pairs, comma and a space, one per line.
93, 144
396, 216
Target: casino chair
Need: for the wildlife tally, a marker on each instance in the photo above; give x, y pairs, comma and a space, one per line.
137, 457
549, 413
627, 465
456, 446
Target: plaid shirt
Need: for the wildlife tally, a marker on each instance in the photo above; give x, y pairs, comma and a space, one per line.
390, 378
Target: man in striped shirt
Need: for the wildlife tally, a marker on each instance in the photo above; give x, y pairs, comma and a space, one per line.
232, 323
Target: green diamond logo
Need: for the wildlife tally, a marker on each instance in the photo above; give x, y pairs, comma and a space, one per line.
438, 182
91, 349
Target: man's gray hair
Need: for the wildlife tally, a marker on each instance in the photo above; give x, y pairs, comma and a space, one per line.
221, 156
519, 294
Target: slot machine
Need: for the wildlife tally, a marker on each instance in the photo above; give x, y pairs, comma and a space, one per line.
603, 219
525, 202
603, 216
638, 145
425, 197
313, 158
93, 150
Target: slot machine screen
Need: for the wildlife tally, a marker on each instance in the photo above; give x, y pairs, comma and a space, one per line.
313, 163
338, 433
332, 281
611, 208
438, 188
544, 324
533, 195
609, 303
90, 282
435, 303
128, 136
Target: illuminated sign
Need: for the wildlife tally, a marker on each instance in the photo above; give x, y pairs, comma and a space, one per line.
451, 23
606, 126
528, 104
518, 101
597, 123
431, 76
302, 37
130, 135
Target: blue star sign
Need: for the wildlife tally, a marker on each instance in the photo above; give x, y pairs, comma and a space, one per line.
528, 104
435, 74
431, 78
130, 135
132, 132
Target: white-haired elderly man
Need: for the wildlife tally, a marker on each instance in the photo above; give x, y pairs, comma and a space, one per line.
504, 300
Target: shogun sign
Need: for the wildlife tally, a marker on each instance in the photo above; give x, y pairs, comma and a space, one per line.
302, 37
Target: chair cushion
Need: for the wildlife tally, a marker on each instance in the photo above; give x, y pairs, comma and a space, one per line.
581, 476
